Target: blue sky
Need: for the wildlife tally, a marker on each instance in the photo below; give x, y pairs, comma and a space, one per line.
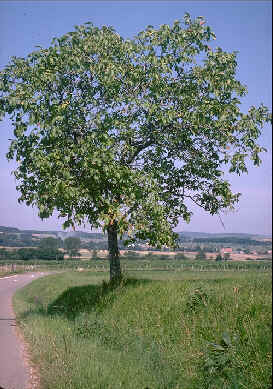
244, 26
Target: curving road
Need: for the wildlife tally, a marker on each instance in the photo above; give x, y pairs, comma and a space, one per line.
14, 373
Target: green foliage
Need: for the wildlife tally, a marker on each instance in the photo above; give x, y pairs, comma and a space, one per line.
200, 255
218, 258
72, 246
49, 254
199, 298
72, 243
220, 364
30, 254
26, 253
6, 254
50, 243
112, 129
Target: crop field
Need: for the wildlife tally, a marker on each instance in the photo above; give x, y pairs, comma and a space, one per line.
205, 328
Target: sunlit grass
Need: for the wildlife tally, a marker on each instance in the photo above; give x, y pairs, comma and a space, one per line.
183, 330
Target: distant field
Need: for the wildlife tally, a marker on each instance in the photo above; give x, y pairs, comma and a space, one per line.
138, 264
87, 254
158, 330
190, 254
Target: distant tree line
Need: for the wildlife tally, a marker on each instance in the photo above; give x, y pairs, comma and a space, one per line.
49, 249
31, 253
95, 245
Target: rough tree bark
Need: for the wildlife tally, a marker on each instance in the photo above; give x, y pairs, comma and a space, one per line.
115, 269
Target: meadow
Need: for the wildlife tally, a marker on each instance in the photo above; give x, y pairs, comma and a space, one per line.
177, 328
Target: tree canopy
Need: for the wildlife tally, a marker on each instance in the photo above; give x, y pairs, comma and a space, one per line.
72, 246
50, 243
121, 132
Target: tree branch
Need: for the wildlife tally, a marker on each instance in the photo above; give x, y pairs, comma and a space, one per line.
140, 148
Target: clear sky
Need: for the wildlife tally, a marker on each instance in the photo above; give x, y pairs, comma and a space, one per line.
244, 26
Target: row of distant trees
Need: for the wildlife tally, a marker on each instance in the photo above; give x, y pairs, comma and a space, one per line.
202, 255
49, 249
71, 245
29, 253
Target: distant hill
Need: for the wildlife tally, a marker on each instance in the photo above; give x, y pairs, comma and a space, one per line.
99, 235
185, 235
206, 235
8, 229
61, 234
228, 239
188, 241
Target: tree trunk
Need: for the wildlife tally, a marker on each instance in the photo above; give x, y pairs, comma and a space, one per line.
115, 270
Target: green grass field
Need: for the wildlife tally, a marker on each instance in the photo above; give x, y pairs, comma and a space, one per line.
158, 330
141, 264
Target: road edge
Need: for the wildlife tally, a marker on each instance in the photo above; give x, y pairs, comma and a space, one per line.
32, 370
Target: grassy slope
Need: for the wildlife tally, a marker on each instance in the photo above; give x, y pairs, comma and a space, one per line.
151, 334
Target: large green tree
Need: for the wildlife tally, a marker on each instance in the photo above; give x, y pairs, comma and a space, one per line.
119, 132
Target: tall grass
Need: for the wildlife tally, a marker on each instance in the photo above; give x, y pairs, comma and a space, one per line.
196, 330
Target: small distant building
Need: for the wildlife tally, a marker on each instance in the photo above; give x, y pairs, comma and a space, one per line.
226, 250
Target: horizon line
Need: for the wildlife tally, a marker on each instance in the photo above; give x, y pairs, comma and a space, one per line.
96, 232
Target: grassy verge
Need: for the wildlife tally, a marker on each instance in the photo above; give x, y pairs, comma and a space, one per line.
183, 330
9, 273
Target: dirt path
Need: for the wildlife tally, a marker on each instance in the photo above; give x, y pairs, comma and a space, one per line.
14, 374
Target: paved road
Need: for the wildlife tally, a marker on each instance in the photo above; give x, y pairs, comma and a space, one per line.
13, 372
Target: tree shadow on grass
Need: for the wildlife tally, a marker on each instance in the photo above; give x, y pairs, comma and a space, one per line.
87, 298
